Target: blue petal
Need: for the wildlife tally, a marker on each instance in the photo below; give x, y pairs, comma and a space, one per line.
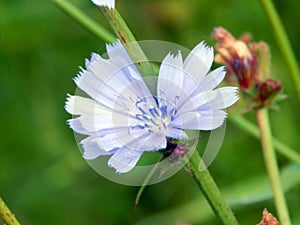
120, 57
176, 133
124, 160
198, 100
170, 77
77, 126
93, 149
213, 79
138, 139
94, 57
93, 123
199, 61
155, 141
201, 120
170, 80
226, 97
77, 105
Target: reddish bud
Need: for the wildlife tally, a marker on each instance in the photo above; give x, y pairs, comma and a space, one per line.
266, 91
248, 64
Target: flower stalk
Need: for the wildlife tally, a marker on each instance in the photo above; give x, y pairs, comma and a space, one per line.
210, 189
7, 215
272, 166
252, 130
283, 42
122, 31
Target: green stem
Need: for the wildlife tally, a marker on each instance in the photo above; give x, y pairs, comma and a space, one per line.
251, 129
211, 190
7, 215
122, 31
272, 166
146, 181
283, 42
85, 21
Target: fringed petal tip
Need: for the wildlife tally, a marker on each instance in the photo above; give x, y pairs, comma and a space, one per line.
108, 3
69, 104
94, 58
174, 56
113, 45
204, 50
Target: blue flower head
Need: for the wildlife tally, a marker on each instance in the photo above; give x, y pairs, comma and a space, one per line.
122, 118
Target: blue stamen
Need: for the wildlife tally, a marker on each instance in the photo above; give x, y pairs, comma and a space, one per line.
173, 112
153, 112
176, 99
142, 111
139, 117
146, 117
137, 126
163, 110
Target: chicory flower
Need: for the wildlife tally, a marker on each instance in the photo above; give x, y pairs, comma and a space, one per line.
122, 118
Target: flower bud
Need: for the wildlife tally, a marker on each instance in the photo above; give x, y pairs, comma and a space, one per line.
268, 219
236, 55
266, 91
247, 64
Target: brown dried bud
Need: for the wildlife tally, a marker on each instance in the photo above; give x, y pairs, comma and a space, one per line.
236, 55
248, 64
268, 219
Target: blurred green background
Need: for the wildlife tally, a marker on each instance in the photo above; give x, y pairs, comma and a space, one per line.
43, 177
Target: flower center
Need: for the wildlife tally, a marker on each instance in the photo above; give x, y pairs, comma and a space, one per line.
152, 117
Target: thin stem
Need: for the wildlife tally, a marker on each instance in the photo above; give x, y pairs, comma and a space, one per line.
211, 191
146, 181
7, 215
251, 129
283, 42
121, 29
85, 21
272, 166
